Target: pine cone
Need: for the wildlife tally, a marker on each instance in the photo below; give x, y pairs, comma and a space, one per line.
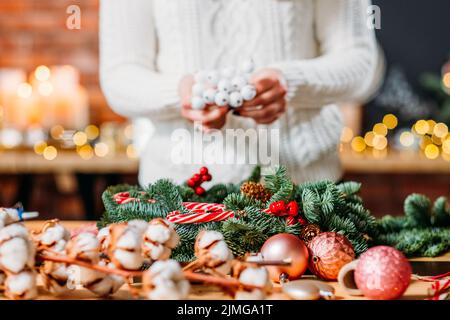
309, 232
255, 191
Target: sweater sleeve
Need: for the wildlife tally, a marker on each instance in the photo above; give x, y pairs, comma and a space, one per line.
128, 44
348, 62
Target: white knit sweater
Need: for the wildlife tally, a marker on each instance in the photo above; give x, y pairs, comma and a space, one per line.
324, 49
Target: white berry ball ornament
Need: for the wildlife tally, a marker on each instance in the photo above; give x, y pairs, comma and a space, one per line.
248, 92
197, 103
224, 85
213, 77
222, 99
209, 95
198, 89
238, 82
236, 100
201, 77
248, 66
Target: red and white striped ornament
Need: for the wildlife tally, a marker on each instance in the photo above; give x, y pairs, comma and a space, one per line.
201, 213
124, 197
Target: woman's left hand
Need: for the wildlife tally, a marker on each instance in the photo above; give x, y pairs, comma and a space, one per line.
269, 103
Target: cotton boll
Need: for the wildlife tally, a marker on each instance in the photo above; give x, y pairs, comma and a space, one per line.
104, 238
54, 277
157, 251
197, 103
198, 89
238, 82
109, 285
21, 285
14, 255
139, 225
55, 236
16, 230
220, 251
255, 276
248, 92
207, 237
158, 232
248, 66
236, 100
209, 95
173, 241
221, 99
128, 260
129, 240
84, 246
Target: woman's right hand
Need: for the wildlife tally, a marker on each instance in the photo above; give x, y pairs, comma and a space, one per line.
212, 117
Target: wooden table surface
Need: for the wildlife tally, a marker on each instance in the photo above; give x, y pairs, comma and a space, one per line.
416, 291
21, 162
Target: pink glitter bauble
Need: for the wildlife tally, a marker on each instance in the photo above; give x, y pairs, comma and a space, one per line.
383, 273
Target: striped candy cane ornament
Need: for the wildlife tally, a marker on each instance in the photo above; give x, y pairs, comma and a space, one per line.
201, 213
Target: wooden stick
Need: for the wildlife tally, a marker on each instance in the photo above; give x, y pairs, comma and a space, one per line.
96, 267
219, 281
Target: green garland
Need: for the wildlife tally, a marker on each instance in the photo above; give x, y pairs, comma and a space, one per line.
334, 207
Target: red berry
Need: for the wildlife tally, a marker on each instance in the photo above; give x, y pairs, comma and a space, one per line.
203, 170
191, 183
196, 177
278, 208
199, 191
290, 220
206, 177
302, 221
292, 208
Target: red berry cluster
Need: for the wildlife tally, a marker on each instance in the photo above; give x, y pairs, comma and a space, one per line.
290, 211
197, 179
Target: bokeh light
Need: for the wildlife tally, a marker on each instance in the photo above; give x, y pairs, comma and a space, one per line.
390, 121
432, 151
358, 144
440, 130
92, 132
56, 132
380, 129
380, 142
425, 141
368, 138
50, 153
446, 146
45, 89
39, 147
79, 138
42, 73
131, 152
101, 149
406, 139
431, 124
446, 80
421, 127
86, 152
24, 90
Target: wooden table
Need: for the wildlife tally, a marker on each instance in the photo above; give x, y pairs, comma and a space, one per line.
416, 291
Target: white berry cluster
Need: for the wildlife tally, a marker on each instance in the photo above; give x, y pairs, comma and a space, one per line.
227, 87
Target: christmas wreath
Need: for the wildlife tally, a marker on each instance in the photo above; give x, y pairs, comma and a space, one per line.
250, 212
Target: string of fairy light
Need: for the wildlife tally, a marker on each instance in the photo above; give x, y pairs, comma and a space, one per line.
86, 143
431, 137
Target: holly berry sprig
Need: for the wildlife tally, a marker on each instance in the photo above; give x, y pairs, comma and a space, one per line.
290, 211
197, 179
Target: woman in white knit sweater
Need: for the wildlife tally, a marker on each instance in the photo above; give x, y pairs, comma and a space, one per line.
312, 53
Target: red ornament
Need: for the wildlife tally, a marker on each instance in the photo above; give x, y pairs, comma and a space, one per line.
191, 183
329, 252
383, 273
206, 177
199, 191
285, 246
292, 208
203, 171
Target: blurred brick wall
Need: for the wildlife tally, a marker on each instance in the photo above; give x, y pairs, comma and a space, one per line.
34, 32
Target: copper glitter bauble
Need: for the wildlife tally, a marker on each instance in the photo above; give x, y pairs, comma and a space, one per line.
383, 273
328, 253
286, 246
309, 232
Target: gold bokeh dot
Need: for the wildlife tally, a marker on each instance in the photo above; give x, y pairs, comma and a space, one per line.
368, 138
380, 142
79, 138
446, 146
440, 130
131, 152
390, 121
421, 127
39, 147
358, 144
425, 141
86, 152
380, 129
431, 124
432, 151
56, 131
446, 79
92, 132
42, 73
50, 153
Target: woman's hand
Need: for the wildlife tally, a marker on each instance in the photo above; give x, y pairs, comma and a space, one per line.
212, 117
269, 103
